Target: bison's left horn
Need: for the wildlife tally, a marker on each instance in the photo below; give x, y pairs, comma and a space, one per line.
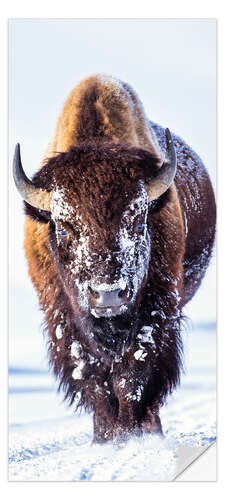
159, 184
35, 196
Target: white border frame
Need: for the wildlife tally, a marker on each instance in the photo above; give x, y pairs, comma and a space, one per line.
118, 9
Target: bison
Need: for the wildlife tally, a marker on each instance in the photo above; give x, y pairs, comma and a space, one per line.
119, 230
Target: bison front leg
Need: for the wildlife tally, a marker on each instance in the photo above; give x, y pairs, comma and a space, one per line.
105, 413
127, 423
129, 395
104, 420
101, 428
134, 416
115, 422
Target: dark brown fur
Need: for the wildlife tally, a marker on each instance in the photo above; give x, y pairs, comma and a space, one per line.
100, 170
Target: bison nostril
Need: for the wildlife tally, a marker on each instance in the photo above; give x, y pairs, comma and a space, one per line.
94, 294
107, 297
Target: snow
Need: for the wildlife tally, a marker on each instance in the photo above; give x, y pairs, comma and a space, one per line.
46, 441
75, 349
77, 372
106, 287
140, 354
59, 332
122, 383
146, 334
60, 209
94, 313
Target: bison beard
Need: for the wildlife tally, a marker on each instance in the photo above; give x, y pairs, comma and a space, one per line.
115, 334
81, 207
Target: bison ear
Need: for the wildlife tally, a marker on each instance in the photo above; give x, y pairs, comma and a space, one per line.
37, 214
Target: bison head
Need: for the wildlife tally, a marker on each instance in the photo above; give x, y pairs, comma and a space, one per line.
96, 198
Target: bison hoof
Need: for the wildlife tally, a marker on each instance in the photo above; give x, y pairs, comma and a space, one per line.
152, 424
121, 434
99, 440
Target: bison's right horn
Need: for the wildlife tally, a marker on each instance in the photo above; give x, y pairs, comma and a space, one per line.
36, 197
166, 173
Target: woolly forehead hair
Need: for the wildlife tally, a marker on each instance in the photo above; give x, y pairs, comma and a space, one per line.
93, 171
98, 180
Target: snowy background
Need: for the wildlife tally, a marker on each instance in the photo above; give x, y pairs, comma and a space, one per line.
172, 66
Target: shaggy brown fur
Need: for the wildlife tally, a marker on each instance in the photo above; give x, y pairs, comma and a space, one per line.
103, 107
102, 150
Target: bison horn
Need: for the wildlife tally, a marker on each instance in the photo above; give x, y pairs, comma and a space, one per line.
35, 196
164, 178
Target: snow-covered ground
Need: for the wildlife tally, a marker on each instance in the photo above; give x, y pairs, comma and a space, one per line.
48, 442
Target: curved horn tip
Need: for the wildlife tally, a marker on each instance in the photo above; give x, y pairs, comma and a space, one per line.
159, 184
17, 150
18, 172
168, 136
35, 196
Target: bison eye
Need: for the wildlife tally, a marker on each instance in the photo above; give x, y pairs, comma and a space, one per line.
63, 232
63, 235
139, 228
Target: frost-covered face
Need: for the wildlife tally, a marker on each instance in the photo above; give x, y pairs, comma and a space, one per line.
102, 268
